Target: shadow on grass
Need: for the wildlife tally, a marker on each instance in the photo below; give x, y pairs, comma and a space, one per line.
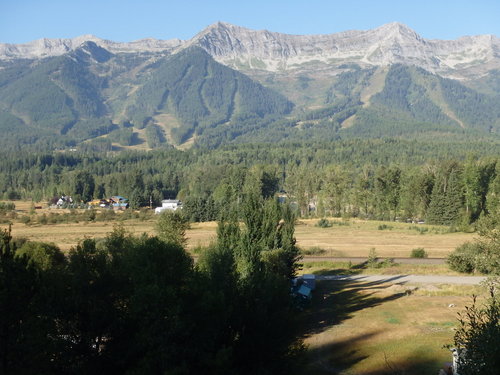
335, 301
321, 360
341, 356
418, 364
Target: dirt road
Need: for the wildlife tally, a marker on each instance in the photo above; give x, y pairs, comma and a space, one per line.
408, 279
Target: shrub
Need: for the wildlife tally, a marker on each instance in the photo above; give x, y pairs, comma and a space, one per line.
420, 230
53, 218
482, 255
25, 219
477, 338
387, 262
384, 226
43, 219
372, 258
7, 206
106, 215
324, 223
462, 259
419, 252
90, 215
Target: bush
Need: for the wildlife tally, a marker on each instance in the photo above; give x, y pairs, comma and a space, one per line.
477, 339
387, 262
420, 230
106, 215
419, 252
463, 258
372, 258
482, 255
324, 223
43, 219
90, 215
384, 226
7, 206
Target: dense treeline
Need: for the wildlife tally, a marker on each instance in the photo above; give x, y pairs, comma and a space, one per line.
136, 305
386, 179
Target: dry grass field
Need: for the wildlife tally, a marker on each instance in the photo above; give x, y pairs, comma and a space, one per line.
355, 238
377, 328
352, 238
69, 234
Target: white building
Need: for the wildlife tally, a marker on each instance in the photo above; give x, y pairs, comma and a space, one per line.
169, 204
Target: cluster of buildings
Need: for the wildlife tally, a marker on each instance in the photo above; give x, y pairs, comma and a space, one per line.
116, 202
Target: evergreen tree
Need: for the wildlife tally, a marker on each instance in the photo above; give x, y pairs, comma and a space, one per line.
472, 188
83, 186
447, 196
171, 228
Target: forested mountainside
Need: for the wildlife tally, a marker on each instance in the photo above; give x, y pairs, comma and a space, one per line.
90, 93
225, 86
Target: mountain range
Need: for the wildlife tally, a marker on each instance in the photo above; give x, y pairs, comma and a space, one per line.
232, 84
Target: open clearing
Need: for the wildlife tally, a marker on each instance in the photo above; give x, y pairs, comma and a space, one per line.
369, 328
349, 238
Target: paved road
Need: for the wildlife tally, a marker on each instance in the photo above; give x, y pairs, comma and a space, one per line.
408, 279
355, 260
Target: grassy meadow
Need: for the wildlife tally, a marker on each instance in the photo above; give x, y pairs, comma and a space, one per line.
345, 238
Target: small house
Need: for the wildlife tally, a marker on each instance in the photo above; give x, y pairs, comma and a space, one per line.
64, 200
118, 202
169, 205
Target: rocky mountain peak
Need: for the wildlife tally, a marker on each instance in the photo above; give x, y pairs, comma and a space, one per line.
391, 43
90, 50
246, 49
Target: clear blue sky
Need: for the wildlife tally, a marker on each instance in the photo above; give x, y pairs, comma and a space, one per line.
126, 20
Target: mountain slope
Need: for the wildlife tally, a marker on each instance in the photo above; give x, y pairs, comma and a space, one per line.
231, 84
200, 93
58, 96
91, 93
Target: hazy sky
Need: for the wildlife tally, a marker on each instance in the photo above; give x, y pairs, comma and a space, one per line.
126, 20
